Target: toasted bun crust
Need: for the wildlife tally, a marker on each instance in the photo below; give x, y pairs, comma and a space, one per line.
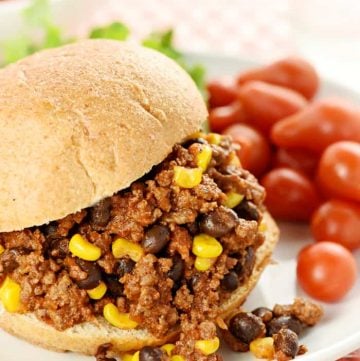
86, 338
81, 122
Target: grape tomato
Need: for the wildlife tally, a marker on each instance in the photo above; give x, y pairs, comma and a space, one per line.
222, 91
265, 104
299, 159
339, 170
222, 117
254, 152
317, 126
290, 195
337, 221
294, 73
326, 271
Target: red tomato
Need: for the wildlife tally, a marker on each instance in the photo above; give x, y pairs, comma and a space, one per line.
289, 194
298, 159
254, 152
293, 73
339, 170
355, 356
221, 92
351, 357
265, 104
326, 271
317, 126
222, 117
337, 221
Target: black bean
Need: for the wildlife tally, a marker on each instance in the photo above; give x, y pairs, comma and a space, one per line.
249, 260
276, 324
189, 142
151, 354
177, 269
50, 231
230, 282
102, 351
124, 266
8, 262
246, 327
193, 228
175, 288
264, 313
193, 282
247, 210
219, 222
100, 214
20, 251
8, 258
156, 238
245, 265
286, 341
93, 274
58, 248
114, 287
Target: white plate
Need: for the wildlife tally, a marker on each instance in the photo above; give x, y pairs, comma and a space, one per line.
339, 332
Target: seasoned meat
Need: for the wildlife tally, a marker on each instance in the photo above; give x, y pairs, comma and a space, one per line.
162, 288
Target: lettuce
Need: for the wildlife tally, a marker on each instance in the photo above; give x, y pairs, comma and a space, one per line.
38, 20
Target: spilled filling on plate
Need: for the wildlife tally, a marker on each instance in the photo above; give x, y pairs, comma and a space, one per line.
162, 254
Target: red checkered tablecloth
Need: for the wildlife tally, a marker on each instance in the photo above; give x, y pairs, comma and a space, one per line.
253, 29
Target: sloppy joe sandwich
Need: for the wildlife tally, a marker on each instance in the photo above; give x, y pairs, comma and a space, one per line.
120, 222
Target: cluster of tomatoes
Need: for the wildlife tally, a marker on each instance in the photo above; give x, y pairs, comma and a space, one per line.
306, 154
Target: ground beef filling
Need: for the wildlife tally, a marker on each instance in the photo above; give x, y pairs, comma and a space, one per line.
163, 289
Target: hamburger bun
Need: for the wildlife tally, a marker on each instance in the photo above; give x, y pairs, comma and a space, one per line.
72, 120
87, 337
98, 115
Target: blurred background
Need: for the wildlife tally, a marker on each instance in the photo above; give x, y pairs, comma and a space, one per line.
327, 32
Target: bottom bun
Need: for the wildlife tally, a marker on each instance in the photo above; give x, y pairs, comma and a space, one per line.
87, 337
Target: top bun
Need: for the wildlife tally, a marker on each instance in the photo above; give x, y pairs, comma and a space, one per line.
81, 122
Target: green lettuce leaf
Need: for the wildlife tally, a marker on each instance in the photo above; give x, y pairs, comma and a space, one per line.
38, 19
116, 31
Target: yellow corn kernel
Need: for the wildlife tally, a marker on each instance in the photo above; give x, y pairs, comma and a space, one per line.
206, 246
234, 160
130, 357
263, 348
214, 138
83, 249
127, 357
10, 295
203, 264
195, 135
233, 199
136, 356
203, 158
168, 348
98, 292
2, 249
177, 358
122, 247
208, 347
117, 319
262, 227
187, 177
